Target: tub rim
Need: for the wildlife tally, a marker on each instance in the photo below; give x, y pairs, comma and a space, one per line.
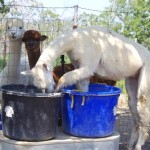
25, 94
116, 91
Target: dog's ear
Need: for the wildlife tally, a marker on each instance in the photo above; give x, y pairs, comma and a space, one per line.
46, 67
27, 72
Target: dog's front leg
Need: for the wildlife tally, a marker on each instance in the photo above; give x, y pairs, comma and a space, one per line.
73, 77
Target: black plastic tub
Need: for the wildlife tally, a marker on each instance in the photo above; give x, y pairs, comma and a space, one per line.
28, 114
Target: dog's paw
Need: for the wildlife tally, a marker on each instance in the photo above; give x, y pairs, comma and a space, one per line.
60, 85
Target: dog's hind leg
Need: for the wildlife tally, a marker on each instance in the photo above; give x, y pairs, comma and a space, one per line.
138, 90
131, 87
143, 105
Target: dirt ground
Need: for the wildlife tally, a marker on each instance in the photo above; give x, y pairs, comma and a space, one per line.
124, 123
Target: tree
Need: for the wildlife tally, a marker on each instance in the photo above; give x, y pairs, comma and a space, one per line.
3, 11
130, 18
3, 8
139, 22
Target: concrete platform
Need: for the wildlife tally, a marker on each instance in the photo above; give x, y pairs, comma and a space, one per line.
63, 142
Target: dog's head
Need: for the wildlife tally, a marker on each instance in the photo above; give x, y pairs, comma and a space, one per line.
42, 77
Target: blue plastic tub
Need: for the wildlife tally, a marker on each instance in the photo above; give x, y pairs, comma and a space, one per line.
90, 114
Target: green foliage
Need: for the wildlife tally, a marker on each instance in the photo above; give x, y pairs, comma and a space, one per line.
140, 20
86, 19
58, 60
131, 18
135, 19
121, 85
48, 14
2, 64
3, 8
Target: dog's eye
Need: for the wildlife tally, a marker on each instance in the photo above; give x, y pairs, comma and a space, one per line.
8, 27
20, 27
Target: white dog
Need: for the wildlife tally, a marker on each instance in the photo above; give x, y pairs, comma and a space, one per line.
100, 51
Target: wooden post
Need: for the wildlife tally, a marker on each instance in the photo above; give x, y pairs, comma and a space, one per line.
4, 52
75, 18
75, 24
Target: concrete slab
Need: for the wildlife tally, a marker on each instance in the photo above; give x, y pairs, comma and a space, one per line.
63, 141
